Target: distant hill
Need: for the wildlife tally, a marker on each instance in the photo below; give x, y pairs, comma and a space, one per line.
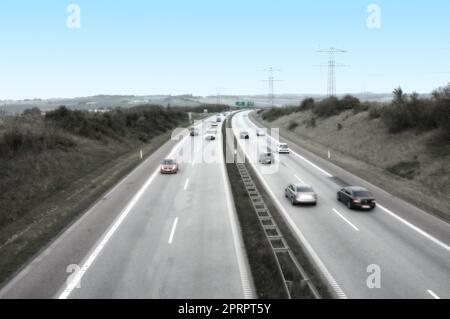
186, 100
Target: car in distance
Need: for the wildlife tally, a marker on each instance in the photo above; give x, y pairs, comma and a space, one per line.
194, 131
356, 197
283, 148
245, 135
169, 166
218, 120
214, 124
301, 194
260, 133
210, 137
266, 158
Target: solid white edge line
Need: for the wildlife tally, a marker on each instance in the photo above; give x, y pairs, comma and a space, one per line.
333, 283
405, 222
186, 184
113, 228
417, 229
433, 294
172, 233
247, 287
345, 219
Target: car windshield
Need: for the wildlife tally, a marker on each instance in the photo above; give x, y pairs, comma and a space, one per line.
283, 146
304, 189
362, 194
168, 162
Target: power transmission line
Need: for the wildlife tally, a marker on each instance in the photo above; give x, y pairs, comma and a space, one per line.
332, 65
219, 97
271, 80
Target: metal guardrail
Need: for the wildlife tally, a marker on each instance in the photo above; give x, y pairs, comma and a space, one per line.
266, 220
275, 237
273, 234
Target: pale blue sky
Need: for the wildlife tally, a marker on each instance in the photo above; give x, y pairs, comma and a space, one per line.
181, 46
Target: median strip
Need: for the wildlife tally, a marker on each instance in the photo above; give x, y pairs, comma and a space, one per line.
270, 245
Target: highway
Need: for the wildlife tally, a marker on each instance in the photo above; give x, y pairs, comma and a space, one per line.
151, 236
407, 247
177, 236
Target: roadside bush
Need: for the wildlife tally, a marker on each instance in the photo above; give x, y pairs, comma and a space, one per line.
277, 112
327, 107
307, 104
441, 114
349, 102
410, 112
375, 111
212, 108
292, 126
395, 118
12, 140
362, 107
141, 122
332, 106
36, 139
34, 112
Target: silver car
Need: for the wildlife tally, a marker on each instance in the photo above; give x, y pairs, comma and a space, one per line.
301, 194
266, 158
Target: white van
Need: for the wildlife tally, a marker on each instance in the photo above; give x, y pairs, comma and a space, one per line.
283, 148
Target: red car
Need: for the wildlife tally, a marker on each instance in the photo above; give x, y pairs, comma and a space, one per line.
169, 166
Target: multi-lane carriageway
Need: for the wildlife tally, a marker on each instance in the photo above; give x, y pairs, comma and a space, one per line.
177, 236
151, 236
407, 247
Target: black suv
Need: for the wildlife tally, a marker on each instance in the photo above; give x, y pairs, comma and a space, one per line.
356, 197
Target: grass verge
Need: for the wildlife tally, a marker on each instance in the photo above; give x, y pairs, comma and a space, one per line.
266, 275
263, 265
298, 290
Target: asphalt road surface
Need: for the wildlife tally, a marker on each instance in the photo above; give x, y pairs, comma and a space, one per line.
151, 236
395, 251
